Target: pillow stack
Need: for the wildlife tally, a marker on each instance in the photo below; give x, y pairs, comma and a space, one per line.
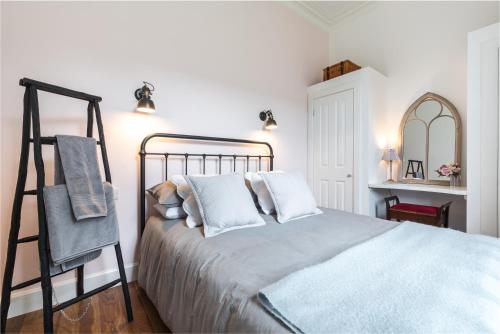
224, 203
168, 203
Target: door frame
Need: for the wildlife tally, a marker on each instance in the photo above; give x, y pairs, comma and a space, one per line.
474, 52
323, 89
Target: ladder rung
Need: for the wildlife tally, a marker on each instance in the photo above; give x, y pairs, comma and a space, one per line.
85, 295
27, 239
27, 283
39, 279
30, 192
53, 140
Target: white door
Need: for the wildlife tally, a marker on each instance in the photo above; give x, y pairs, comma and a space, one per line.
333, 150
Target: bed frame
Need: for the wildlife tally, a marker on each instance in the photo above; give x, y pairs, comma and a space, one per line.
143, 153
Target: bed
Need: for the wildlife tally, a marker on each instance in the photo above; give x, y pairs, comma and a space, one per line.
213, 284
210, 285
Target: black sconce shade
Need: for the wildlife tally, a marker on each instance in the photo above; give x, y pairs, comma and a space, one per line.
143, 95
268, 117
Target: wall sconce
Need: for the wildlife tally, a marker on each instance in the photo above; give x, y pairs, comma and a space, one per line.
143, 95
267, 116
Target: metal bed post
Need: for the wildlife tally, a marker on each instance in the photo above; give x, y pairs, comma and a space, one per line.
31, 120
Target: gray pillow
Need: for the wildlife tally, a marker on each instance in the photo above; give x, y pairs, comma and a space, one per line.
166, 194
170, 212
291, 196
225, 203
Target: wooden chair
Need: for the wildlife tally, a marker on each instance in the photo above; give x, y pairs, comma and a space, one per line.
416, 172
424, 214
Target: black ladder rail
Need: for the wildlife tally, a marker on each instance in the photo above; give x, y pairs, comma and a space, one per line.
42, 225
16, 214
31, 120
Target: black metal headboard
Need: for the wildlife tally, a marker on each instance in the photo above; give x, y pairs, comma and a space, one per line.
143, 153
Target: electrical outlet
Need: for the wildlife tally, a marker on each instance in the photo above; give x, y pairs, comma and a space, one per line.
116, 192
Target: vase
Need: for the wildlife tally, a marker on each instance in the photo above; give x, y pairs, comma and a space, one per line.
455, 181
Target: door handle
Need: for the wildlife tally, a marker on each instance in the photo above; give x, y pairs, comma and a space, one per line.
349, 175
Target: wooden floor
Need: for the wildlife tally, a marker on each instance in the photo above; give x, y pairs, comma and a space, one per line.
106, 315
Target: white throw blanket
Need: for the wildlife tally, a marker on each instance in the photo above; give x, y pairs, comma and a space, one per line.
413, 278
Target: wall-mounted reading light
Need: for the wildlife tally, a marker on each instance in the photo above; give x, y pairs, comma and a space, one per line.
143, 95
267, 116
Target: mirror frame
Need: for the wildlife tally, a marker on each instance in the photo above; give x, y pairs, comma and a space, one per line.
458, 136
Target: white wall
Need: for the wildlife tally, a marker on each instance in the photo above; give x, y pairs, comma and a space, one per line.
420, 47
215, 66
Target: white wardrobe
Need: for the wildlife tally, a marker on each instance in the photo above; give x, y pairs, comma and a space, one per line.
343, 155
483, 140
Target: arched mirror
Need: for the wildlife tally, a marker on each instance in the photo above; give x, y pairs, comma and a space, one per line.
430, 134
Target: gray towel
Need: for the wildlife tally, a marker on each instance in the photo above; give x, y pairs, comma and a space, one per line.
69, 239
80, 171
59, 268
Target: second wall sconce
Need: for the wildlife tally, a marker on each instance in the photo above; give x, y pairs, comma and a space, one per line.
267, 116
143, 95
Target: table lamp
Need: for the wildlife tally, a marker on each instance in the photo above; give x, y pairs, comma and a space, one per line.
390, 155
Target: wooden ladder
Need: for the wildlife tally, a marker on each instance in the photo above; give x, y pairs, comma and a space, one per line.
31, 122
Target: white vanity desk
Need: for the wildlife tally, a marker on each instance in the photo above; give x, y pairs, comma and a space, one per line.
430, 188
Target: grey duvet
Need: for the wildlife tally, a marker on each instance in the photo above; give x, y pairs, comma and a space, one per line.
210, 285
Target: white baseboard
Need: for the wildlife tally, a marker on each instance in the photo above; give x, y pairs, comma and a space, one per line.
31, 300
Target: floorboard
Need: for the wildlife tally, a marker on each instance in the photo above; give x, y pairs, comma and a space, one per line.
106, 315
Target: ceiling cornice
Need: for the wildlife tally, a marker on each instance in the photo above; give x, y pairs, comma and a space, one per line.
310, 15
320, 20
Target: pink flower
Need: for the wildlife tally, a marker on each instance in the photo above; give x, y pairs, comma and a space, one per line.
445, 170
449, 169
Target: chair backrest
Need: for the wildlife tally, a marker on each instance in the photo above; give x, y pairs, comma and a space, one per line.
390, 202
417, 167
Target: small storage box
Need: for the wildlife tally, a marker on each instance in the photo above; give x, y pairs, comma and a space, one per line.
339, 69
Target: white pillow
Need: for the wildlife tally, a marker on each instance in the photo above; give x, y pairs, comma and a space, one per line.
191, 208
183, 188
259, 187
170, 212
189, 205
291, 196
225, 203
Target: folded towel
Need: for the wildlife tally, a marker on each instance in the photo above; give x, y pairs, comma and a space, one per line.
80, 171
58, 268
72, 264
68, 239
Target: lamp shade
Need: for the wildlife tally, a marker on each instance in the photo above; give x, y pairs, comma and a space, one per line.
271, 124
146, 105
267, 117
390, 154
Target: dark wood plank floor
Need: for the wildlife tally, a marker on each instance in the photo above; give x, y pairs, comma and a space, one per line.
106, 315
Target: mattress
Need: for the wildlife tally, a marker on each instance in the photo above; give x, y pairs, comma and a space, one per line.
210, 285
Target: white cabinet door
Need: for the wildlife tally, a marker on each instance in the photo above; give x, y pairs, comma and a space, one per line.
333, 150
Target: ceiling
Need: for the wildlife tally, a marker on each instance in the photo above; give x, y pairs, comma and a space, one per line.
328, 13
